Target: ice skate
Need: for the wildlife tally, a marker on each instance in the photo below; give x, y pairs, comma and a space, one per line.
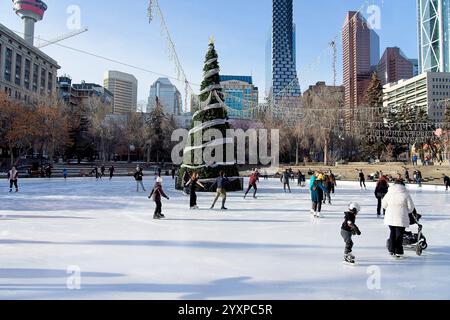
156, 217
161, 216
349, 260
317, 215
312, 212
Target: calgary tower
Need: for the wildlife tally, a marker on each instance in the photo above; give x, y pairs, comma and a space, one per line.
31, 11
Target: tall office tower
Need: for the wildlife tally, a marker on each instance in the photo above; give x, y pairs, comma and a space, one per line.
124, 87
358, 41
281, 70
169, 97
434, 33
394, 66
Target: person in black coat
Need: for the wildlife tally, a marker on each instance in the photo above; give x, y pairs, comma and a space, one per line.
349, 229
157, 193
446, 181
381, 190
138, 176
111, 172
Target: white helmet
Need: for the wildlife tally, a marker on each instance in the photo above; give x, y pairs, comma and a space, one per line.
159, 180
354, 206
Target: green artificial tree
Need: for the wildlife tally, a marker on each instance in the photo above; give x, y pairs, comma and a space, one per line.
211, 116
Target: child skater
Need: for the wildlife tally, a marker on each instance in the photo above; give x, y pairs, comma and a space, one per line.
157, 193
349, 229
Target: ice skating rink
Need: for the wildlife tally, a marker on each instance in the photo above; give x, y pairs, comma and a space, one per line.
83, 239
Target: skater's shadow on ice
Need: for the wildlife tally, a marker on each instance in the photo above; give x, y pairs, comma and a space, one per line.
233, 220
50, 273
15, 217
229, 287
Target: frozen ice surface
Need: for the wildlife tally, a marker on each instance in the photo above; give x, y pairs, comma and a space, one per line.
268, 248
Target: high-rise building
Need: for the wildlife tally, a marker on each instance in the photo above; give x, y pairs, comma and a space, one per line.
394, 66
281, 70
169, 97
434, 34
241, 96
124, 87
415, 63
359, 44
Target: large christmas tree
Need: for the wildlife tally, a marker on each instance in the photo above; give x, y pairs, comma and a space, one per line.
211, 117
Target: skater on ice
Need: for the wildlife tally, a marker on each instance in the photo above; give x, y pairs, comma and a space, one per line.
285, 178
13, 178
138, 176
398, 205
186, 179
193, 184
253, 180
65, 173
220, 184
362, 180
317, 191
446, 181
111, 172
381, 190
157, 193
350, 229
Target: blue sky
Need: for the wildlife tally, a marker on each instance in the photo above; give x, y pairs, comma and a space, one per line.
120, 30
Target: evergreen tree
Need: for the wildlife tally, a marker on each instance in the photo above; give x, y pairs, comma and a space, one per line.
212, 115
374, 146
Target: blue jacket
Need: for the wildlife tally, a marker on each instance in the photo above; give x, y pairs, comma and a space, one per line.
315, 197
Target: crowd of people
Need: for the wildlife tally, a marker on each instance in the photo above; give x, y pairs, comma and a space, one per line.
394, 202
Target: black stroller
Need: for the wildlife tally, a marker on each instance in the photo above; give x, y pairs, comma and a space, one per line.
414, 241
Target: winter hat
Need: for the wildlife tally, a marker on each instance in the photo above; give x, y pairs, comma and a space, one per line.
354, 207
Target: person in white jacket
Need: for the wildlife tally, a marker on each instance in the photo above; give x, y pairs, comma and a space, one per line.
398, 205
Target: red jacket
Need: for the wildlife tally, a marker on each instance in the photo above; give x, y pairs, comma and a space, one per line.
253, 178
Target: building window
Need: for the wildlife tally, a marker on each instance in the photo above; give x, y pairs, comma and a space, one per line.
26, 80
50, 83
8, 64
35, 77
43, 76
18, 80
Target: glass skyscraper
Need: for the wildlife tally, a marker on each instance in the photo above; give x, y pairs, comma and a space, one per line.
281, 71
434, 33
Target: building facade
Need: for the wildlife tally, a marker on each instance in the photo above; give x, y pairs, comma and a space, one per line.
434, 34
359, 44
76, 94
25, 71
124, 87
281, 69
169, 97
429, 90
321, 89
394, 66
241, 96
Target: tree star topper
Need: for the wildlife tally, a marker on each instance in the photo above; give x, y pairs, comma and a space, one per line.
211, 40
